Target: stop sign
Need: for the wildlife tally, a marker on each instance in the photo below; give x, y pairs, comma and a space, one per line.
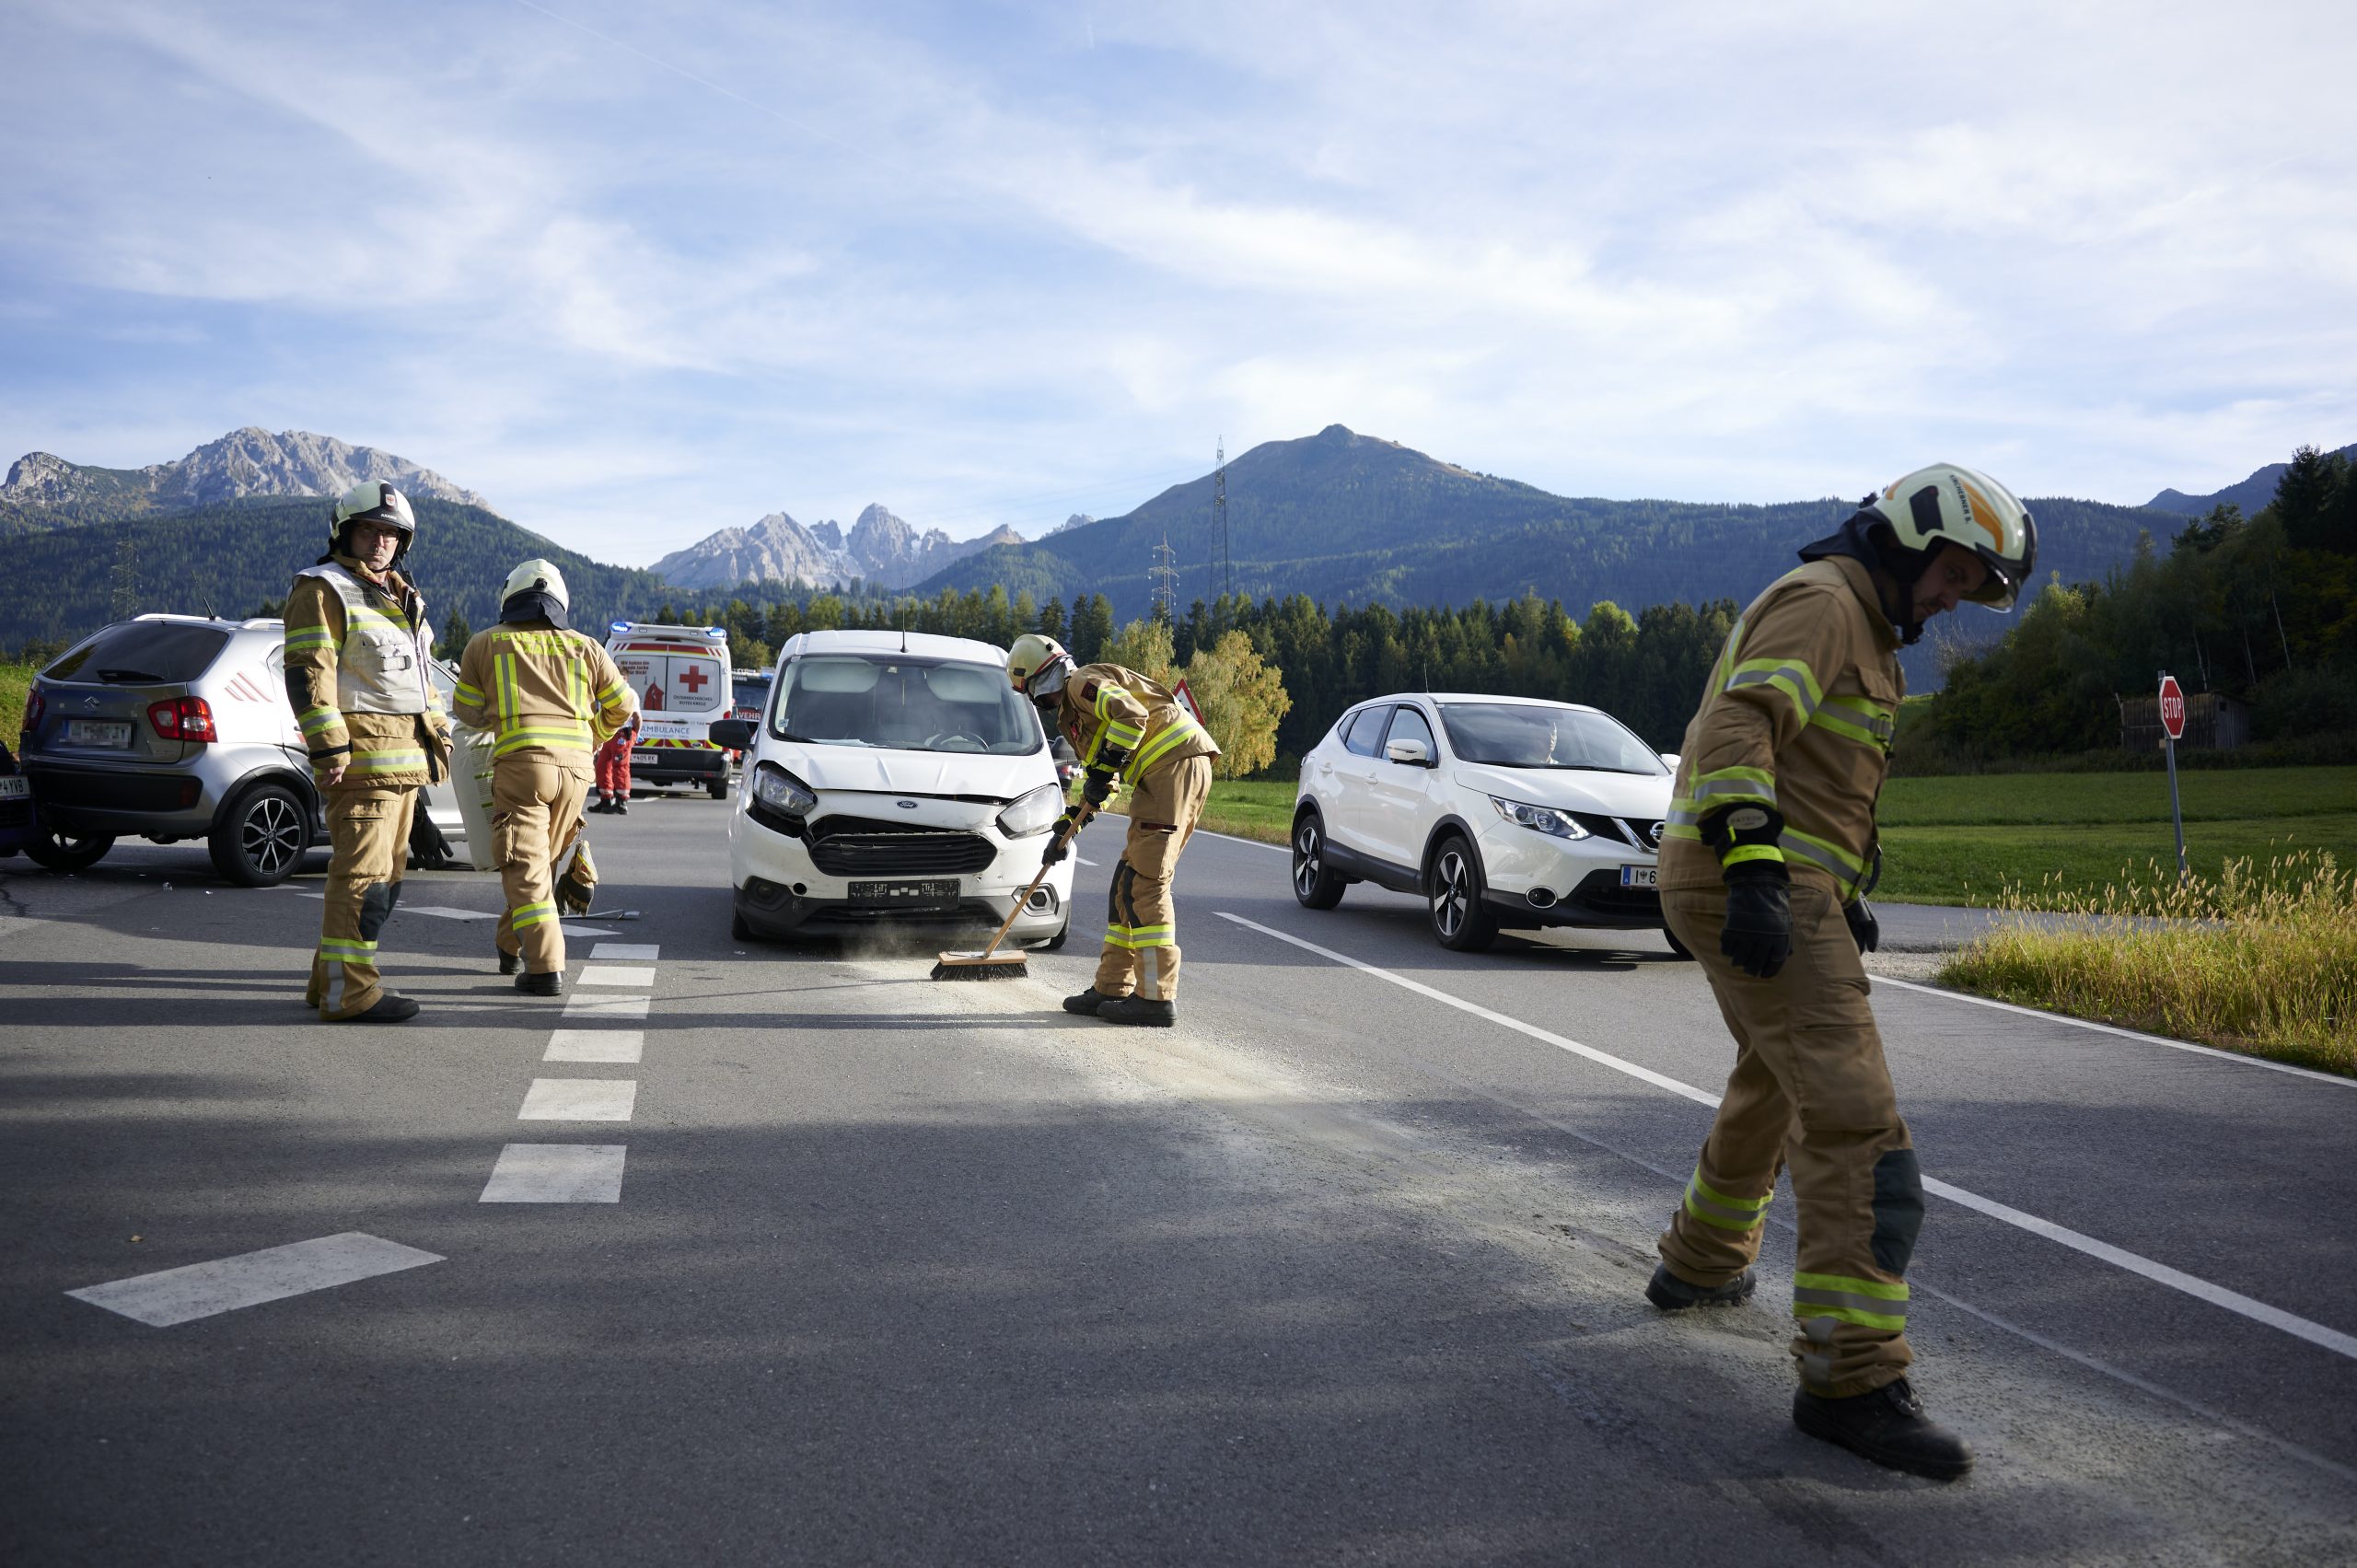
2172, 707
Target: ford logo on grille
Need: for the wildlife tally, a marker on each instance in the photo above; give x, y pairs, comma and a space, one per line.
906, 805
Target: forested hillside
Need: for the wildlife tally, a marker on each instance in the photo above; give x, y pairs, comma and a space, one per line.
59, 583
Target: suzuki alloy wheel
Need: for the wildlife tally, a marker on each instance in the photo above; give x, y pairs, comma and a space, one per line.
261, 839
1461, 922
1316, 883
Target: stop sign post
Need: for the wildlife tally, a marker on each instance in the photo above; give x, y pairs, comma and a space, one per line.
2173, 731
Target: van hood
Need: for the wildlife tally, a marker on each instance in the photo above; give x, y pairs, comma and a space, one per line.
1573, 789
913, 773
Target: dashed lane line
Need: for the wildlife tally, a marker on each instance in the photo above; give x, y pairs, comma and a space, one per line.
249, 1279
2159, 1273
645, 951
595, 1045
581, 1007
579, 1099
557, 1173
616, 974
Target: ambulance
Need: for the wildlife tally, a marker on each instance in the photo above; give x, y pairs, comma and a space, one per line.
683, 679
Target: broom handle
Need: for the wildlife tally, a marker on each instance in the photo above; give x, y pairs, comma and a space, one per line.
1070, 833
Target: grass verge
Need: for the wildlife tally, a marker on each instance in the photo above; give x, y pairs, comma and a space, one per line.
2258, 960
15, 684
1251, 808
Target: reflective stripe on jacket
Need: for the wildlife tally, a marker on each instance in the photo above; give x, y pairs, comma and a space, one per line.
357, 674
1798, 714
539, 689
1106, 706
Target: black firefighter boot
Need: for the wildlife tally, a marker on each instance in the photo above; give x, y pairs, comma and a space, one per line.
390, 1008
1139, 1010
510, 962
1887, 1426
548, 983
1087, 1002
1671, 1294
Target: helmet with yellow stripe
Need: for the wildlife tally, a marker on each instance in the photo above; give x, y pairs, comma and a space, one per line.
1945, 504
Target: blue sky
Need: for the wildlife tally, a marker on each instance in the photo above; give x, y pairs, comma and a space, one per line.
638, 272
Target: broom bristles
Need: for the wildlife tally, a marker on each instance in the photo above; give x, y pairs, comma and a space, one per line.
976, 966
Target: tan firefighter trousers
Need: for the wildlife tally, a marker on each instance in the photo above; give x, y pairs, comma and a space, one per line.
1140, 918
534, 805
368, 835
1810, 1089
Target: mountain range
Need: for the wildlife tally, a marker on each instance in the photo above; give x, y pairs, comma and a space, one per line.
2250, 494
880, 549
45, 490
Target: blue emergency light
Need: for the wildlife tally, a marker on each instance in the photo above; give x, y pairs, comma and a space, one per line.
716, 630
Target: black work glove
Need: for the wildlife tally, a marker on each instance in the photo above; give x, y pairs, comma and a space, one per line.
1865, 929
1099, 788
1059, 840
1758, 931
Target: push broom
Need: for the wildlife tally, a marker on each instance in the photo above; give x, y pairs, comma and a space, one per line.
990, 963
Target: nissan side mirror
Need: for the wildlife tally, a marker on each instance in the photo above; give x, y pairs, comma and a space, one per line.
1415, 753
732, 735
1668, 759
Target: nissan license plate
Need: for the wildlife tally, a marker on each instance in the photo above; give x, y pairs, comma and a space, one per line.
98, 732
13, 788
1640, 877
904, 892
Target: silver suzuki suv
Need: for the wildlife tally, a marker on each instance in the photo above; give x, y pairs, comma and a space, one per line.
172, 727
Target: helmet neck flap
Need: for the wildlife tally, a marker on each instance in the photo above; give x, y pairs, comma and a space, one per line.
535, 604
1868, 541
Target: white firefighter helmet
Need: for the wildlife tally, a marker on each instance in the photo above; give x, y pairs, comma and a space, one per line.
1948, 505
1037, 664
537, 573
372, 501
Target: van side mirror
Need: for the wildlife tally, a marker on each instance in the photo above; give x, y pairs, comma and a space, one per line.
732, 735
1415, 753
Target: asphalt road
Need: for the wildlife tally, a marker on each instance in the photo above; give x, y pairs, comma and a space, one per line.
1346, 1267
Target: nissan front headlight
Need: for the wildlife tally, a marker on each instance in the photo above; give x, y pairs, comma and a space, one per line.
1540, 818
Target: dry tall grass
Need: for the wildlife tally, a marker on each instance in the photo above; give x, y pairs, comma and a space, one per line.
2256, 961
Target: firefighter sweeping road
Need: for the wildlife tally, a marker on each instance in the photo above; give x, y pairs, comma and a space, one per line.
766, 1253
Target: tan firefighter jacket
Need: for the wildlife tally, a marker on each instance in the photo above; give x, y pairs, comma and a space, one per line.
1797, 716
1108, 708
358, 676
538, 689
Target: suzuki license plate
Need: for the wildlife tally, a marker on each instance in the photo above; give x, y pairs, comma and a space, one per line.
15, 789
98, 732
1640, 877
904, 892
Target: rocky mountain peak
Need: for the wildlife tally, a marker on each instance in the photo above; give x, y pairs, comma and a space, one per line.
246, 461
880, 548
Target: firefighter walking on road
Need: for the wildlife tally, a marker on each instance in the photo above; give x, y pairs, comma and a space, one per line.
1764, 865
358, 645
550, 697
1133, 732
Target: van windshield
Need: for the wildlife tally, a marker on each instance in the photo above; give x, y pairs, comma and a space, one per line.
1528, 734
904, 703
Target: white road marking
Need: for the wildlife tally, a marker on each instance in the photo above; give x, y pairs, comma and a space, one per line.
595, 1045
441, 913
579, 1099
200, 1290
580, 1008
574, 928
2159, 1273
1254, 843
649, 951
617, 974
2136, 1035
557, 1173
1085, 860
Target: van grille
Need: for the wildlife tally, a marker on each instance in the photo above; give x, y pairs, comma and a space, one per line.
864, 846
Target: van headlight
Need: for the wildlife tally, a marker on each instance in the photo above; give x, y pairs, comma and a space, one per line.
781, 792
1034, 813
1541, 819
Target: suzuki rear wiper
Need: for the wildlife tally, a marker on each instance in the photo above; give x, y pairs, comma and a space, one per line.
130, 677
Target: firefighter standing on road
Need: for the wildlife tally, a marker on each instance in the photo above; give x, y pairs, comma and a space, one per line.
550, 696
1130, 730
1769, 851
358, 645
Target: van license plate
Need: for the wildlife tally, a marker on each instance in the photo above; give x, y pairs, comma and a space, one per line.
904, 892
1640, 877
13, 788
98, 732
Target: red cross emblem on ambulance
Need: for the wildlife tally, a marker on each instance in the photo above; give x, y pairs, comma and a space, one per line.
695, 680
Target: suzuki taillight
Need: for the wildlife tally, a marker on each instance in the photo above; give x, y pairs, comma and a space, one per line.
184, 718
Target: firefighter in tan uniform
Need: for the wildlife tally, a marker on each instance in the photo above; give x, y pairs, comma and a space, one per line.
550, 697
357, 643
1764, 865
1129, 731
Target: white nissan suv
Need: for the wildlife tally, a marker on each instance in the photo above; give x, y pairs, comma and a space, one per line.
1497, 811
894, 781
